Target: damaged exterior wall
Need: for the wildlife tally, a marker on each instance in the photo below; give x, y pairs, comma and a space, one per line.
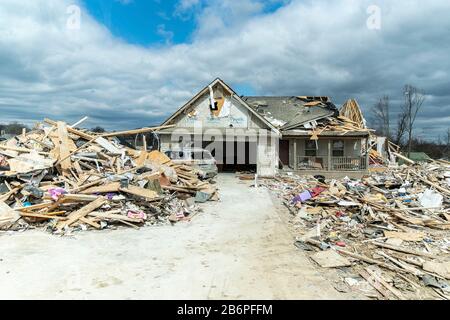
229, 120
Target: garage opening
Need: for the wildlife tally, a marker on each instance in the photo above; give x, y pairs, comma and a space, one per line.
233, 156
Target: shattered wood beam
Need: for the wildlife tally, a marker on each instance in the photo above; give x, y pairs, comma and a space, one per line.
79, 133
132, 132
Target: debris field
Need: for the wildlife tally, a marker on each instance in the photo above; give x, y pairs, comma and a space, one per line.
387, 234
64, 179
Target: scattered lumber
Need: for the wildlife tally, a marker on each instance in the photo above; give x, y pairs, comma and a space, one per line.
63, 178
396, 220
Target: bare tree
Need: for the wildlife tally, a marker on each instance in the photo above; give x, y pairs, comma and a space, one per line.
98, 129
401, 128
381, 114
414, 99
446, 152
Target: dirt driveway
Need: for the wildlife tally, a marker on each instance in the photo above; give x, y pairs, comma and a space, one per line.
238, 248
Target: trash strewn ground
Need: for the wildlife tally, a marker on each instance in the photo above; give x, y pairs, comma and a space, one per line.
232, 250
386, 234
63, 179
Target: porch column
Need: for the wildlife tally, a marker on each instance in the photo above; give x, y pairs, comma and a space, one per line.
295, 156
367, 154
329, 155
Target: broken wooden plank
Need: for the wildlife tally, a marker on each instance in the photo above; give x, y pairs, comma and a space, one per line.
440, 268
107, 188
35, 207
179, 189
406, 236
105, 144
64, 151
140, 161
133, 132
368, 260
74, 216
79, 133
379, 279
29, 162
404, 250
7, 195
158, 157
42, 216
8, 216
90, 222
140, 192
374, 284
23, 150
398, 155
107, 215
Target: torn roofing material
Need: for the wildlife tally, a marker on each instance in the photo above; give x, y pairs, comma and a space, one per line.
206, 89
291, 112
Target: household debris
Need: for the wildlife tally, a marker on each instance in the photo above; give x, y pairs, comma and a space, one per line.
393, 227
65, 179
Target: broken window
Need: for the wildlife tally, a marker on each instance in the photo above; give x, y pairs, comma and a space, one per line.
338, 148
214, 107
310, 148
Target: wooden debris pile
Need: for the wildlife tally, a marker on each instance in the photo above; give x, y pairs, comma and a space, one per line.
63, 178
388, 233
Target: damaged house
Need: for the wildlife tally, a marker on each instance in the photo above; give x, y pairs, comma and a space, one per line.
267, 134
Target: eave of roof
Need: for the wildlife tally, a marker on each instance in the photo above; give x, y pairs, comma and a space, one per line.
307, 133
233, 93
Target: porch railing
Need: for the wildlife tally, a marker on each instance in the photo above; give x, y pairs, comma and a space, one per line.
336, 164
312, 163
348, 163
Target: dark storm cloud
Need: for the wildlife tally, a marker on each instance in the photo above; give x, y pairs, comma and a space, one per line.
305, 48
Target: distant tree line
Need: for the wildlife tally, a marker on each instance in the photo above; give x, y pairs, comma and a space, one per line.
14, 128
400, 129
98, 129
439, 149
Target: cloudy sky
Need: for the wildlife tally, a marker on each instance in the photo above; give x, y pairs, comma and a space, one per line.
131, 63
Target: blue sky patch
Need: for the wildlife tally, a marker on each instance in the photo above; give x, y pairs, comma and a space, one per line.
142, 22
